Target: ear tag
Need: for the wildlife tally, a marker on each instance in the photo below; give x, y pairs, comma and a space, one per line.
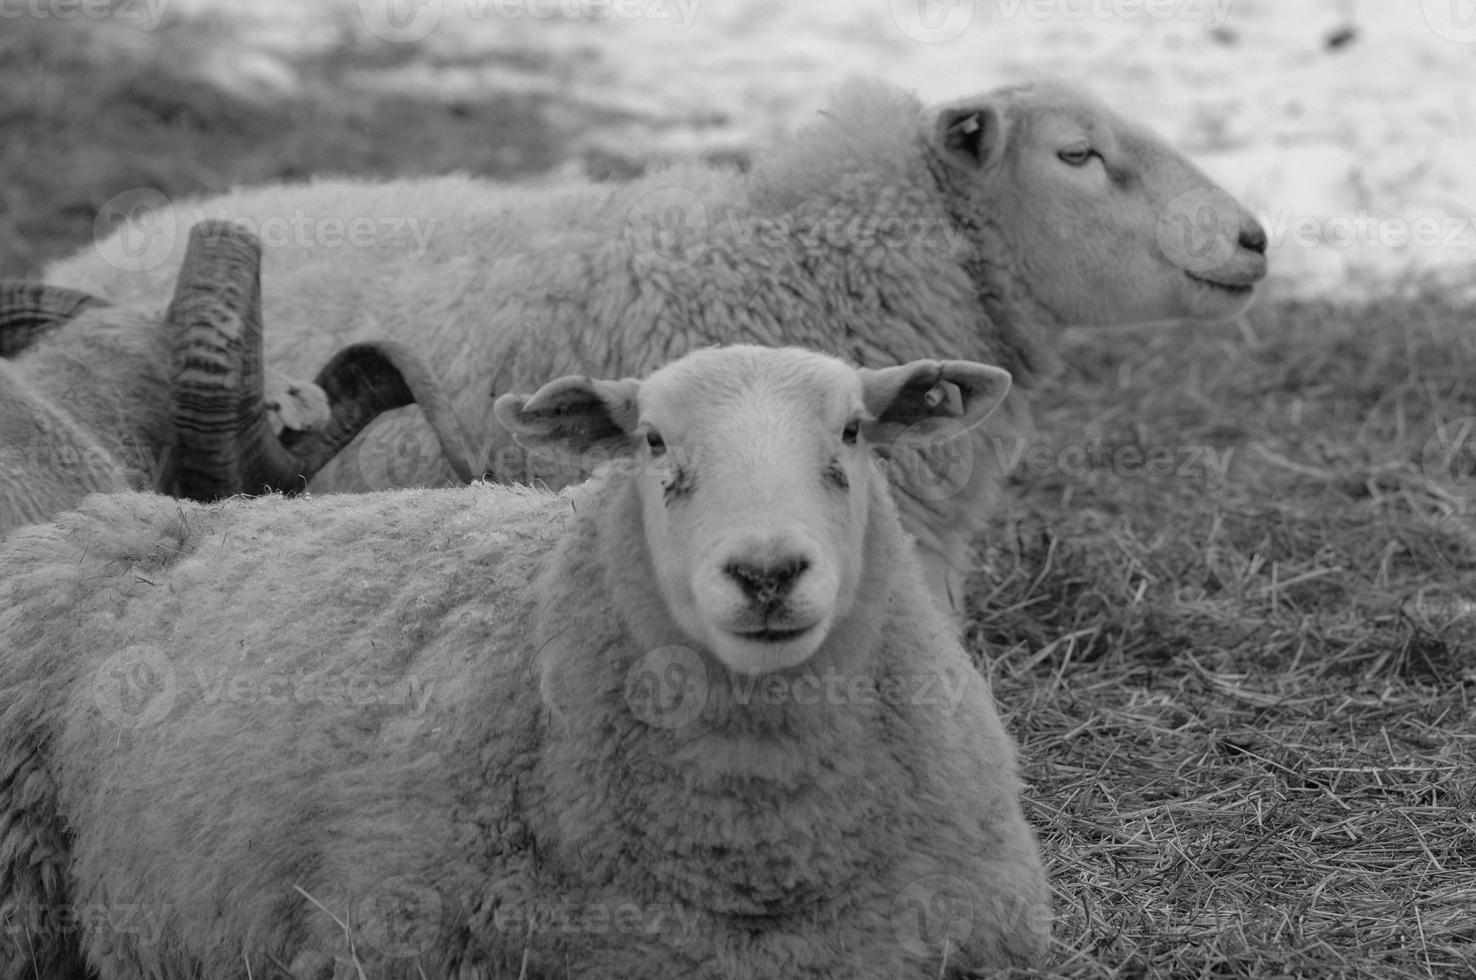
945, 393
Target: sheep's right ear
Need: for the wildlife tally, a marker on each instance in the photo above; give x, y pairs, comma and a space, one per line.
573, 414
971, 134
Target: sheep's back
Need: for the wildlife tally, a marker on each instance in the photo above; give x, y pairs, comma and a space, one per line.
236, 698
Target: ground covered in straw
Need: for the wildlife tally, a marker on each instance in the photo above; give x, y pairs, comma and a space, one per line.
1231, 613
1247, 696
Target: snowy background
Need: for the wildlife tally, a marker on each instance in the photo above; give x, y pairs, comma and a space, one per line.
1349, 126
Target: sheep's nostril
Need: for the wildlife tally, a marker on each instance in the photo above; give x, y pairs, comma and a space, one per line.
765, 583
1253, 237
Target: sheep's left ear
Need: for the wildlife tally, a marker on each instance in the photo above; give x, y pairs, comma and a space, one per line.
573, 415
971, 134
898, 397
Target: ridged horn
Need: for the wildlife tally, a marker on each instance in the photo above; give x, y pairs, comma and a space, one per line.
368, 378
29, 310
223, 439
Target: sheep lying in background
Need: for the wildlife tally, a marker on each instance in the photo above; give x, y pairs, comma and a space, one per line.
31, 310
99, 398
697, 717
882, 233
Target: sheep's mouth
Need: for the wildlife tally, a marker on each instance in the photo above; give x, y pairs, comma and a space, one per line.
1230, 288
1237, 276
771, 635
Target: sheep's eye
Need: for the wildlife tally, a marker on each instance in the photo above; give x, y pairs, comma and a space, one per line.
850, 432
655, 443
1077, 156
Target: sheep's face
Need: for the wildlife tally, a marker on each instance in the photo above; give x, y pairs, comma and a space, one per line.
756, 477
1106, 223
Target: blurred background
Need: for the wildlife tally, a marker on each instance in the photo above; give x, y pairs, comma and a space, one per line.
1348, 125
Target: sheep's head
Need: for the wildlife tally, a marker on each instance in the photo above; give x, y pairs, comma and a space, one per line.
1106, 223
757, 478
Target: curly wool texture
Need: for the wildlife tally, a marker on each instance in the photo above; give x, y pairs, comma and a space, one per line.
838, 241
84, 411
426, 730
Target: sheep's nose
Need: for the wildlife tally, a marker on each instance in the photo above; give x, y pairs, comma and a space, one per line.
765, 582
1253, 236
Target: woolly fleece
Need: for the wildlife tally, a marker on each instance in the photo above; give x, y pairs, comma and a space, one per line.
69, 428
457, 760
841, 240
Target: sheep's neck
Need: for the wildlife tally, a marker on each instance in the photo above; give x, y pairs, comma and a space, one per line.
1003, 293
771, 785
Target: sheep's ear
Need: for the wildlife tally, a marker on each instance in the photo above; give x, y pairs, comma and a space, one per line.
898, 397
573, 415
971, 134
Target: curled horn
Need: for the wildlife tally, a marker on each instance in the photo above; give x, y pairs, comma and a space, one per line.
365, 379
29, 310
224, 442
